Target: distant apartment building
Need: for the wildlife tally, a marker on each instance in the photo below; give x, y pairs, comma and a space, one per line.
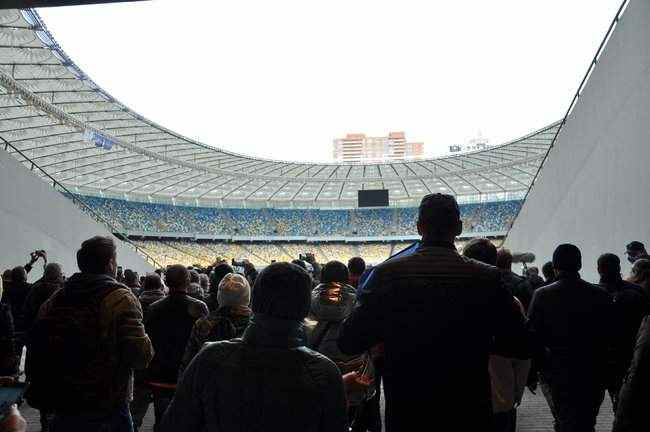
357, 147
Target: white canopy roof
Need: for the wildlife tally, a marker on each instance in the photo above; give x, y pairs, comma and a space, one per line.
60, 120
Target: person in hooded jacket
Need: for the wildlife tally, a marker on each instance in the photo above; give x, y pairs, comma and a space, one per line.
86, 340
332, 302
268, 380
227, 322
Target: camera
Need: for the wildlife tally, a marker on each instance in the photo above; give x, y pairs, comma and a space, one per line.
307, 256
236, 263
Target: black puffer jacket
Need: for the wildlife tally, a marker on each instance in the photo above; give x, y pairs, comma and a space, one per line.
632, 414
439, 315
266, 381
169, 323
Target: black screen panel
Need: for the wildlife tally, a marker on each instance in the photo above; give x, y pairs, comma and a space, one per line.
373, 198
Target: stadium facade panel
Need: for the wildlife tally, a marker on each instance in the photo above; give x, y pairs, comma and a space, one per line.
53, 115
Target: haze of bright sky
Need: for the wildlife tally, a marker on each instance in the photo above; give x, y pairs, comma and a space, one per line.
282, 78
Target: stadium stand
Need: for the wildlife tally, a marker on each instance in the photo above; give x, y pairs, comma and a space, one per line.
165, 218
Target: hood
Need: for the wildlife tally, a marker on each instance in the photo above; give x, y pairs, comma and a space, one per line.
332, 301
82, 283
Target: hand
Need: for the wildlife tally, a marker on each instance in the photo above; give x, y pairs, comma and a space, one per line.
248, 266
354, 382
13, 422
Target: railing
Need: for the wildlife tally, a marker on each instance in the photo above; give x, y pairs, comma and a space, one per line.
118, 232
573, 103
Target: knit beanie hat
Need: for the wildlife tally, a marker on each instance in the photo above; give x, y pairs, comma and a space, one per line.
282, 290
234, 290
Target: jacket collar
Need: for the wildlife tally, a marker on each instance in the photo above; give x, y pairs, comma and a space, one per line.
563, 275
440, 244
267, 331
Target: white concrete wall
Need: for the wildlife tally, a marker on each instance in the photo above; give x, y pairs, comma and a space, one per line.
34, 216
594, 188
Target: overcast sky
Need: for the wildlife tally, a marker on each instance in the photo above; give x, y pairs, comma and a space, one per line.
282, 78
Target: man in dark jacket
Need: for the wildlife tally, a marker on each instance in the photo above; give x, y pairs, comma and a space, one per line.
51, 282
630, 307
268, 380
169, 323
439, 315
86, 341
518, 286
152, 291
549, 273
14, 295
356, 266
572, 319
40, 292
8, 361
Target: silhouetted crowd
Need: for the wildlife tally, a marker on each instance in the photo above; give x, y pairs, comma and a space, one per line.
447, 337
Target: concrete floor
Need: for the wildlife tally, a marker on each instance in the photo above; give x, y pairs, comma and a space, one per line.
534, 416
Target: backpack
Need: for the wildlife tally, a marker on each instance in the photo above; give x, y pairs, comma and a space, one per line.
222, 329
70, 367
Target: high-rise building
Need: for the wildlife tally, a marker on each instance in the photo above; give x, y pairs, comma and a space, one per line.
357, 147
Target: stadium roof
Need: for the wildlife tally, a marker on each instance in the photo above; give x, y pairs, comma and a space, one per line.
60, 120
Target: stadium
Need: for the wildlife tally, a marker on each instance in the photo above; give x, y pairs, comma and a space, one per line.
178, 199
75, 162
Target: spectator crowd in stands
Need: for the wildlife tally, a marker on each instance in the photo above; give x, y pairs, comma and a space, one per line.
449, 337
165, 218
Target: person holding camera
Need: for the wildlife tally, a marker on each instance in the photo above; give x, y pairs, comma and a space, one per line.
15, 294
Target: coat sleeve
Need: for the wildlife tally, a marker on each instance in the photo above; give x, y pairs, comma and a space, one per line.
185, 413
363, 328
8, 358
333, 409
631, 413
134, 344
511, 337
